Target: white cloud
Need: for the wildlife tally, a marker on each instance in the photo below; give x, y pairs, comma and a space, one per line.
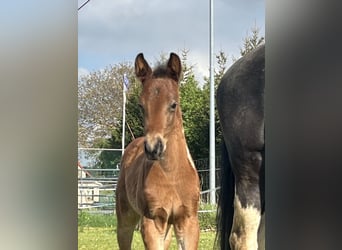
115, 31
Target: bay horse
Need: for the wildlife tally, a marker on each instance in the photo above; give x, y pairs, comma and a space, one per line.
240, 104
158, 184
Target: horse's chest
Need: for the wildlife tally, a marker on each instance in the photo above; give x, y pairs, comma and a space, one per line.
171, 193
163, 191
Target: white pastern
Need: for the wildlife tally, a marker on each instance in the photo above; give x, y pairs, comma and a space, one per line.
246, 222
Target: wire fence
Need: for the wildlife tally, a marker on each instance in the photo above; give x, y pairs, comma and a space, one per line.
97, 184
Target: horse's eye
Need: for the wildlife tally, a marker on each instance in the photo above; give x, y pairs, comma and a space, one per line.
173, 106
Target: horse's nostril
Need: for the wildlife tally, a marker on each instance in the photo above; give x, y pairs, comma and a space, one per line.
154, 151
159, 146
147, 147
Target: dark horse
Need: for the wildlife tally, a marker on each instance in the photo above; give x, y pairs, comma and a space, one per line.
240, 104
158, 184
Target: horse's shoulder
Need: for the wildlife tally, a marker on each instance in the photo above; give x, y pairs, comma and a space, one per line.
133, 150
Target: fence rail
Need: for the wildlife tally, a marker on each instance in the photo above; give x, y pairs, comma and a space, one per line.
97, 187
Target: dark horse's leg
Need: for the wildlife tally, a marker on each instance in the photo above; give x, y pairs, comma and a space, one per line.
240, 205
225, 210
240, 106
247, 200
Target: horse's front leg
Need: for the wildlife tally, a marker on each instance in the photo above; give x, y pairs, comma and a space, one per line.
155, 231
187, 231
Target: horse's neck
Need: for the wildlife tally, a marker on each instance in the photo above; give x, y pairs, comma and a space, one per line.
176, 151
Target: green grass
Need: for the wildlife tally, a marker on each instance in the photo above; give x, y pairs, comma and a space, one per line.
207, 220
98, 238
98, 231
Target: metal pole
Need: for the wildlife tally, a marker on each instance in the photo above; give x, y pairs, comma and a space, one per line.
212, 109
123, 116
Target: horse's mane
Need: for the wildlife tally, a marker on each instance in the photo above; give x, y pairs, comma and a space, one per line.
161, 71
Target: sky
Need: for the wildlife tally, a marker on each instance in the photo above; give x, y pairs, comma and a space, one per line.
110, 32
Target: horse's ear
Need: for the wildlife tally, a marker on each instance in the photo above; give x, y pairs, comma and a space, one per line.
142, 69
174, 66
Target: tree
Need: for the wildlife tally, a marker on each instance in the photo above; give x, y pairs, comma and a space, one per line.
100, 102
100, 113
222, 66
195, 115
252, 41
134, 128
221, 60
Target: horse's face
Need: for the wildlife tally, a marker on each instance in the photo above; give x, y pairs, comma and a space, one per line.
159, 101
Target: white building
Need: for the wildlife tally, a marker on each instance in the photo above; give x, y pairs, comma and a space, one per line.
88, 190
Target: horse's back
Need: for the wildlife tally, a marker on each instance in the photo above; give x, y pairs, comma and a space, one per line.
240, 100
248, 70
244, 82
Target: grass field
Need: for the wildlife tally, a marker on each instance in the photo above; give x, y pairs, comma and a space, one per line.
98, 238
98, 232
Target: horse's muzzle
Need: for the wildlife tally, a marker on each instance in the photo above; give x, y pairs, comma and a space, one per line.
154, 150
